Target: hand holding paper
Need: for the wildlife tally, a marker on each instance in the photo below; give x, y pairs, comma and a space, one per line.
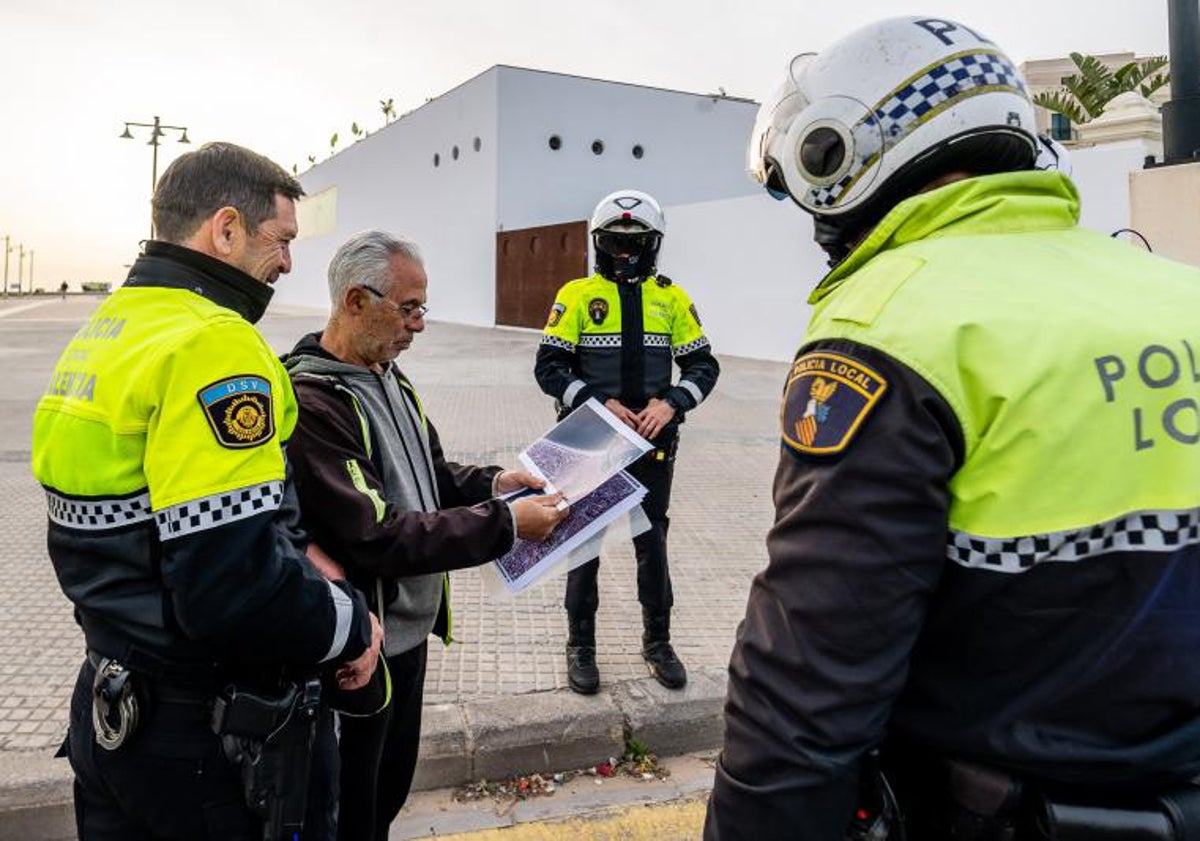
508, 481
584, 457
537, 515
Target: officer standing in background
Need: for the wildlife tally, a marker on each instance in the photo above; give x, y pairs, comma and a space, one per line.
985, 555
159, 442
612, 336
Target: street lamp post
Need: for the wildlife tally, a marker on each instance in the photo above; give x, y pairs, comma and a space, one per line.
158, 129
1181, 115
7, 250
31, 271
20, 268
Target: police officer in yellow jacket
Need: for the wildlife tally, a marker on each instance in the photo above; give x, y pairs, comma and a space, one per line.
985, 563
613, 336
159, 442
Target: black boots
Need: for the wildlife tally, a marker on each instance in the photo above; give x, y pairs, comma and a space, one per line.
584, 677
658, 653
582, 674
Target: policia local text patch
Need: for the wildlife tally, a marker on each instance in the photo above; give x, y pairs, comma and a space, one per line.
828, 396
239, 411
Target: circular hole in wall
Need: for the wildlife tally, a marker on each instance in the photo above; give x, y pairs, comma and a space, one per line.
555, 142
477, 144
597, 147
454, 153
638, 151
437, 159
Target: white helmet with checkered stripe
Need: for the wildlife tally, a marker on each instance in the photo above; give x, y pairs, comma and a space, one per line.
879, 102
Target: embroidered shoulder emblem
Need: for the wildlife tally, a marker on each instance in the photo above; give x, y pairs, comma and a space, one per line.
239, 411
556, 313
828, 396
598, 310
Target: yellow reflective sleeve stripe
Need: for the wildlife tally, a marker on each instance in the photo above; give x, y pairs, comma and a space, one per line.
360, 484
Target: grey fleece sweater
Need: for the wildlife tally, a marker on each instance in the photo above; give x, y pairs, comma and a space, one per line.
363, 442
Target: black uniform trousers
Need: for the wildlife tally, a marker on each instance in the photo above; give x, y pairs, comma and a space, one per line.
170, 780
379, 753
655, 470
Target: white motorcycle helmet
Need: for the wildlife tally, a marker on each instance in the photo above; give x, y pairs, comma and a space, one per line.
1053, 156
627, 229
854, 130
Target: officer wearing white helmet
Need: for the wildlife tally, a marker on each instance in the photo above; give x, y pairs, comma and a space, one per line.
613, 336
984, 573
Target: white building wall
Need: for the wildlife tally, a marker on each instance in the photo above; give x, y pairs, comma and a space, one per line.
389, 181
694, 146
1102, 175
749, 264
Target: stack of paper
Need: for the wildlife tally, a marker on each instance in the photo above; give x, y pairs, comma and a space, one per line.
583, 457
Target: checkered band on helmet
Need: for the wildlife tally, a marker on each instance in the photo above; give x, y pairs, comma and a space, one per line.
924, 97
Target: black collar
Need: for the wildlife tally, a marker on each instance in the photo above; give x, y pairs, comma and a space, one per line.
165, 264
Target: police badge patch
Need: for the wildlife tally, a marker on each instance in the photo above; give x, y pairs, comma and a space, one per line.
556, 313
828, 396
239, 411
598, 310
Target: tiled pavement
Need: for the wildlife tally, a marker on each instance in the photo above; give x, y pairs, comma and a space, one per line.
478, 389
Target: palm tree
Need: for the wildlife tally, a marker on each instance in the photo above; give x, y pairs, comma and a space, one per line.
388, 107
1084, 95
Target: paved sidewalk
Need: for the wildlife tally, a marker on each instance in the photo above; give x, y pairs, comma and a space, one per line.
478, 388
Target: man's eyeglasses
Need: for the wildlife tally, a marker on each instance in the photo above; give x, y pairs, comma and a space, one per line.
410, 312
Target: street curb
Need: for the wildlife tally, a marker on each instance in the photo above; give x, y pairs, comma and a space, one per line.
561, 730
495, 738
35, 798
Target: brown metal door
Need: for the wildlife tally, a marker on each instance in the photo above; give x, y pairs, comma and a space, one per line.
531, 264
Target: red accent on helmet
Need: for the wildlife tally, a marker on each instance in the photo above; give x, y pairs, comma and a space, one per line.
627, 215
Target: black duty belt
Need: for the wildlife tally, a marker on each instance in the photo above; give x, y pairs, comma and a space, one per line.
163, 689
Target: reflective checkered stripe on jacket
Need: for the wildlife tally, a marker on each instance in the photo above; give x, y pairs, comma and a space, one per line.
1144, 531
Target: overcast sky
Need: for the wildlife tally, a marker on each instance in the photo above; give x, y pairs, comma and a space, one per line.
281, 77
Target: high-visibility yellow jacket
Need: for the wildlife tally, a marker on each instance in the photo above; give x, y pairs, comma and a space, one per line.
608, 339
159, 441
987, 533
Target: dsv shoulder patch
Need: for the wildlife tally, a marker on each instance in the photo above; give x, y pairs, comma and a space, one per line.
239, 411
828, 396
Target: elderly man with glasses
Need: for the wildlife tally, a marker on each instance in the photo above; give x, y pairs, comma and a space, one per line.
379, 496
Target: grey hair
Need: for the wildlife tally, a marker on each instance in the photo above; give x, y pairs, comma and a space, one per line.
363, 259
198, 184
